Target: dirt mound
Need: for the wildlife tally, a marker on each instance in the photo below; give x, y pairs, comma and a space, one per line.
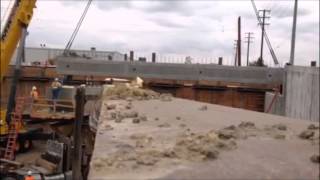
313, 127
242, 131
126, 92
307, 134
119, 115
164, 125
312, 134
280, 126
188, 146
246, 124
197, 147
277, 131
203, 108
165, 97
248, 129
315, 158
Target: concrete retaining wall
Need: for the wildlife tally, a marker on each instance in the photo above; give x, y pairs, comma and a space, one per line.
302, 92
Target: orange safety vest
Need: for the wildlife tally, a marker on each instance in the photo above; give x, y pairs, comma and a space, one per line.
34, 94
29, 178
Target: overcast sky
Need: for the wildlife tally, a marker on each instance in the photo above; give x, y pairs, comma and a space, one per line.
203, 29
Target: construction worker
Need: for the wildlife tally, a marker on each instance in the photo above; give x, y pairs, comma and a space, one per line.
34, 93
29, 176
56, 87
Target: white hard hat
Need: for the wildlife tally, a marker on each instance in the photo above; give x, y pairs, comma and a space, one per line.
29, 173
34, 88
56, 79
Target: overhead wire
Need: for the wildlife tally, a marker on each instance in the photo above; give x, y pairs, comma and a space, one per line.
4, 17
6, 11
76, 30
274, 57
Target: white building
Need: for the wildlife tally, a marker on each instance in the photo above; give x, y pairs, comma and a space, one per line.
42, 55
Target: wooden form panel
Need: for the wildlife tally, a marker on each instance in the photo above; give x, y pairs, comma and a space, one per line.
221, 93
232, 97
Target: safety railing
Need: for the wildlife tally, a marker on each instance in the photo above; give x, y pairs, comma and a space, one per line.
48, 108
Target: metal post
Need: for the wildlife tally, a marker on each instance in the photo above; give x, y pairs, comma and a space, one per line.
154, 57
125, 57
16, 76
236, 52
220, 60
248, 47
131, 56
293, 38
260, 61
239, 41
249, 37
262, 33
273, 54
76, 161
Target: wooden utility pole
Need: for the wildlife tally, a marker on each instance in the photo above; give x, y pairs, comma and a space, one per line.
235, 46
153, 58
77, 142
239, 41
293, 38
249, 37
263, 24
131, 55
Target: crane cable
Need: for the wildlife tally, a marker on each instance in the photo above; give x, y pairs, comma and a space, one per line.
4, 20
6, 11
274, 57
76, 30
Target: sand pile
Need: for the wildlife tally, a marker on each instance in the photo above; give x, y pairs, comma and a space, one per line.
133, 93
129, 93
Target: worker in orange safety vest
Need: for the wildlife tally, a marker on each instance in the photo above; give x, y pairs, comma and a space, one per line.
34, 93
29, 176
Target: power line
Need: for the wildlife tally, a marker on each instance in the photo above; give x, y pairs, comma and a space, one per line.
263, 23
239, 41
76, 30
249, 37
6, 11
274, 57
235, 47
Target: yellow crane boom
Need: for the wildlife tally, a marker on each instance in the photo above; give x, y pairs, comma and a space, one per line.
18, 19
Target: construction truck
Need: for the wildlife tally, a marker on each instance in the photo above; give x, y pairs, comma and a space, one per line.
13, 132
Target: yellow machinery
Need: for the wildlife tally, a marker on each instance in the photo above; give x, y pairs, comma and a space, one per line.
16, 24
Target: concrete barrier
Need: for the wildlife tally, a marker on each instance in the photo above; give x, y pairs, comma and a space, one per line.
210, 72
